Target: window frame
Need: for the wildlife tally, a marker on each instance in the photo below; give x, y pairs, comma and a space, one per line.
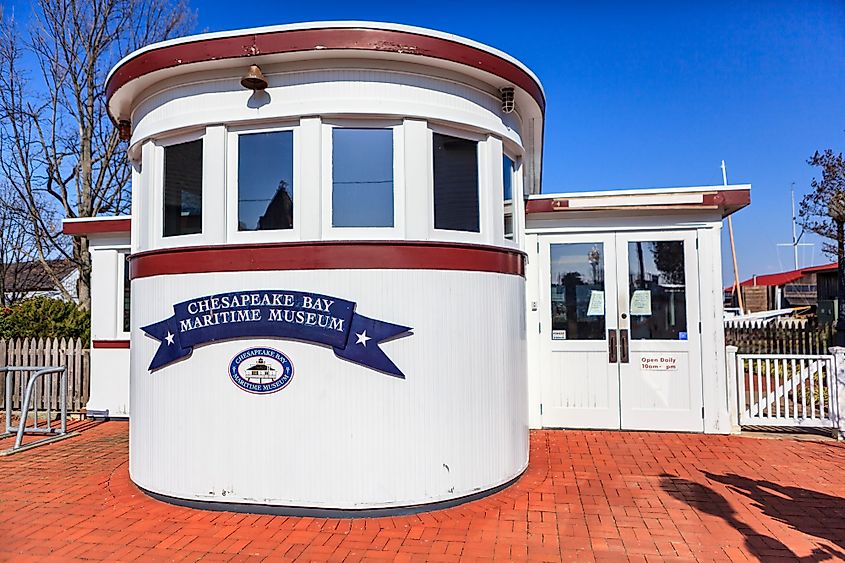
484, 181
330, 232
517, 201
123, 266
232, 145
159, 144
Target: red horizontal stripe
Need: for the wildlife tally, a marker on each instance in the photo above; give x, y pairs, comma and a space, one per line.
728, 199
328, 255
545, 205
110, 344
94, 226
246, 46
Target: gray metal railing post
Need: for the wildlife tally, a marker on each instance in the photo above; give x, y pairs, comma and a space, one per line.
9, 375
63, 395
27, 400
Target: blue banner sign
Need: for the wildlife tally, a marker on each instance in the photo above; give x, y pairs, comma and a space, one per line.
308, 317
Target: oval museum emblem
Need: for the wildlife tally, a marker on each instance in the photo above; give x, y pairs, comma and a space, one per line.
261, 370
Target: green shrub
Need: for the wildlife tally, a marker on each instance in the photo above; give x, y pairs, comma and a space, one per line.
42, 317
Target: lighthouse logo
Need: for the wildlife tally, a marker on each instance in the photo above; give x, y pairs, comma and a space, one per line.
261, 370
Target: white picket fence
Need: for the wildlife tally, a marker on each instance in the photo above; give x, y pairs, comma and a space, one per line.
787, 390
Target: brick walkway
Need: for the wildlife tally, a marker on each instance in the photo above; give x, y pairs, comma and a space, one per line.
586, 496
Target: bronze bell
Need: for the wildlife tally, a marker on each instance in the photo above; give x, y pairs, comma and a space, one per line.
254, 79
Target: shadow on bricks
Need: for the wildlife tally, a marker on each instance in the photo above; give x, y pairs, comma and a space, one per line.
811, 512
790, 505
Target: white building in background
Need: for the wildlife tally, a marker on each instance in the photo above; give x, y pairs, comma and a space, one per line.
363, 208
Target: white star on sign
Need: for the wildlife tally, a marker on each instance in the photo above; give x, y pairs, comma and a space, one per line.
362, 338
169, 338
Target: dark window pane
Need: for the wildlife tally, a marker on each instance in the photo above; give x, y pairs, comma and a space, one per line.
455, 183
127, 290
362, 177
507, 182
265, 181
507, 177
658, 293
183, 189
508, 226
578, 311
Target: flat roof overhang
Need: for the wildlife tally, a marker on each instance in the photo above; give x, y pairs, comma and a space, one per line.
84, 226
725, 199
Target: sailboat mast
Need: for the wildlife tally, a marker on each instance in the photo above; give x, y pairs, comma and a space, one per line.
794, 234
737, 287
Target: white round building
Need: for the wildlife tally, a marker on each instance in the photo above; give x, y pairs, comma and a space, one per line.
328, 292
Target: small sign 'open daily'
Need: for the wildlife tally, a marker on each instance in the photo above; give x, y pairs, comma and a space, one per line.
309, 317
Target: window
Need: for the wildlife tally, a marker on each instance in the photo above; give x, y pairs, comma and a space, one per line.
183, 189
657, 286
508, 167
577, 291
265, 181
455, 183
362, 177
127, 291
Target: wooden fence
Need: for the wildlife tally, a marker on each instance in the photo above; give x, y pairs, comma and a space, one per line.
47, 352
805, 336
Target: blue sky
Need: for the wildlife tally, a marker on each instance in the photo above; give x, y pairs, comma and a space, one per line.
650, 94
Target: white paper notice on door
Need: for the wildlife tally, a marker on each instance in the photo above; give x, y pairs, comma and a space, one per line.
641, 302
596, 306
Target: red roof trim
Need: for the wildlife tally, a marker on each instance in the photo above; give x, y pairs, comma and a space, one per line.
110, 344
728, 199
96, 226
783, 278
545, 205
291, 41
823, 268
328, 255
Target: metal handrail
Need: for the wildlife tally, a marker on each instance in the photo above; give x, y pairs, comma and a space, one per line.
37, 373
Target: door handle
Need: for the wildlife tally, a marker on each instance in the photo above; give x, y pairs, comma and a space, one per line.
612, 355
623, 346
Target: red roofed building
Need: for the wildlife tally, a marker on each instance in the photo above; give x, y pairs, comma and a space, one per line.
794, 288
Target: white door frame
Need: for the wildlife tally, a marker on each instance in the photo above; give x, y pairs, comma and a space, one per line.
654, 395
616, 282
582, 402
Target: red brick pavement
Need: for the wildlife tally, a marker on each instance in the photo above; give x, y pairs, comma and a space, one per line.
586, 496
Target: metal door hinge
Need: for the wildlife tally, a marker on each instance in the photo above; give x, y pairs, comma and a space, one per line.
539, 328
702, 413
541, 408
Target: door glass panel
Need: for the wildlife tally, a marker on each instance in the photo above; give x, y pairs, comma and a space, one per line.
577, 285
657, 290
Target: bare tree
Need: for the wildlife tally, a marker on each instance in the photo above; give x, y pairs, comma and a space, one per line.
16, 249
815, 207
57, 143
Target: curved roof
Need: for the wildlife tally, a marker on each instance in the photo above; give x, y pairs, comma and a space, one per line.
373, 37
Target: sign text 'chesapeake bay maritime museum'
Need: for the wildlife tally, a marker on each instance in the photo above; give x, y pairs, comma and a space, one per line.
341, 287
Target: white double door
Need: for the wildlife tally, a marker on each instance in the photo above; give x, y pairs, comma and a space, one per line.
620, 327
